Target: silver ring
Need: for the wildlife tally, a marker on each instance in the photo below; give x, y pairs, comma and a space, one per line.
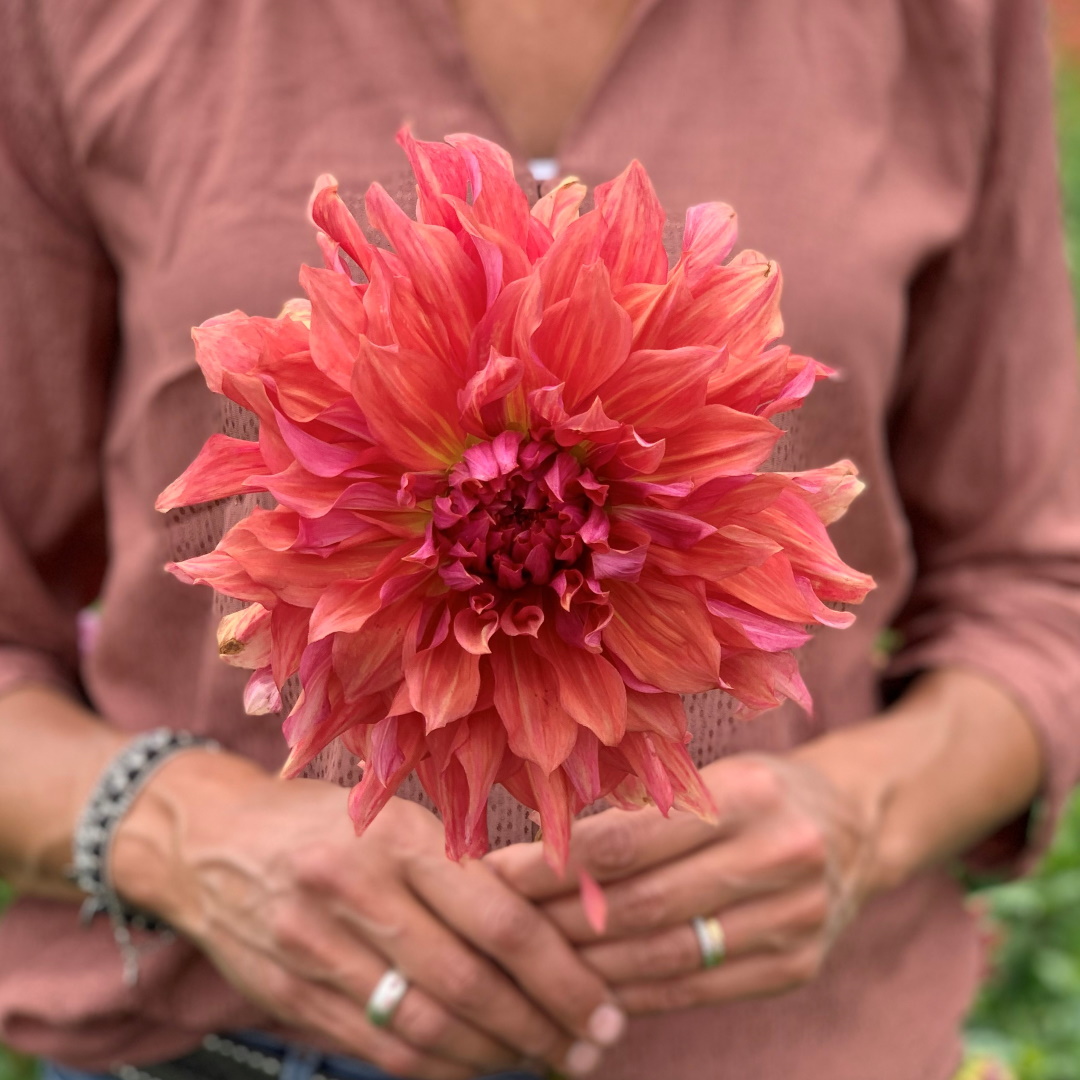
386, 997
711, 940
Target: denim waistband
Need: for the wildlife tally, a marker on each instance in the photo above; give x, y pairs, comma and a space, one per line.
252, 1054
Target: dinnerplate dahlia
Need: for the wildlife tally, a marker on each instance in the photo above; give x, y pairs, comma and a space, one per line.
519, 506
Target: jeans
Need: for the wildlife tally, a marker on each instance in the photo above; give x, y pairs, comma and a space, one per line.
298, 1063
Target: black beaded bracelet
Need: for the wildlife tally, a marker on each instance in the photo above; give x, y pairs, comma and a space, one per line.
111, 798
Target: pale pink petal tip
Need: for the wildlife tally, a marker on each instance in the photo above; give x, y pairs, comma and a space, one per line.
593, 901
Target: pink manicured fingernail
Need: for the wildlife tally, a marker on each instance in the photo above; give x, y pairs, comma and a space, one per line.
607, 1025
582, 1058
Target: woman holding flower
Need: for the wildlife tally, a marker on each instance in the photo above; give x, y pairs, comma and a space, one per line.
898, 164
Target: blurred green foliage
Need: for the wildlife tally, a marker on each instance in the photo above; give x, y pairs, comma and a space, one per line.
1029, 1012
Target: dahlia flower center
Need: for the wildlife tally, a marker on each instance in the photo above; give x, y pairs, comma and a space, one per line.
516, 511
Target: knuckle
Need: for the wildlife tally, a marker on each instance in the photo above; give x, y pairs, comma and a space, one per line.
676, 995
665, 955
290, 931
612, 848
642, 905
805, 845
511, 926
465, 980
315, 867
805, 965
422, 1022
762, 787
814, 910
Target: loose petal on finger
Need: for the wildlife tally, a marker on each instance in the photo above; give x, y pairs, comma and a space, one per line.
593, 901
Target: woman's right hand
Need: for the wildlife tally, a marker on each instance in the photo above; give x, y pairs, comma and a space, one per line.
268, 878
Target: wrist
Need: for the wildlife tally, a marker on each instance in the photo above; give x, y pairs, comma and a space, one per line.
952, 760
191, 793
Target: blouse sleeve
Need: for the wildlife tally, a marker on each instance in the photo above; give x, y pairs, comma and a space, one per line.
984, 433
57, 320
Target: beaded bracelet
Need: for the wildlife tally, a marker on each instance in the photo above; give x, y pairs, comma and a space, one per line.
109, 801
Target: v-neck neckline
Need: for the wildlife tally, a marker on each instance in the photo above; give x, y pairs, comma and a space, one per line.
450, 41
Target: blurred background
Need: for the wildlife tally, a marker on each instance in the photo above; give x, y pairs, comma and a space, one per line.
1026, 1024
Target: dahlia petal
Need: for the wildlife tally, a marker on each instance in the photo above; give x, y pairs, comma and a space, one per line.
773, 588
634, 245
369, 661
578, 245
662, 714
332, 216
223, 467
830, 491
480, 755
737, 306
746, 628
716, 441
590, 689
449, 790
337, 321
584, 339
473, 630
444, 277
319, 458
538, 728
655, 311
667, 527
402, 395
656, 388
554, 801
481, 403
717, 557
224, 574
345, 605
289, 631
661, 633
688, 787
625, 565
640, 751
521, 618
593, 902
243, 637
582, 767
508, 325
312, 723
794, 525
439, 170
763, 680
498, 200
261, 695
560, 206
708, 237
371, 794
443, 679
502, 258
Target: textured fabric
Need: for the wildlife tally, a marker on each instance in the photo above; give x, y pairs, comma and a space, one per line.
895, 157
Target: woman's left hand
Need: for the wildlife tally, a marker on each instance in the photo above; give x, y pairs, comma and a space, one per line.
784, 869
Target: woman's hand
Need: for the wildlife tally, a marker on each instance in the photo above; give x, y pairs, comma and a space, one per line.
785, 869
270, 881
800, 843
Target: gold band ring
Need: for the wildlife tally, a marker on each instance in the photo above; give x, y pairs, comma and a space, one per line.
711, 940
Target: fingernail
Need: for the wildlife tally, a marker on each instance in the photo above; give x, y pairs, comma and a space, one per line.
582, 1058
607, 1025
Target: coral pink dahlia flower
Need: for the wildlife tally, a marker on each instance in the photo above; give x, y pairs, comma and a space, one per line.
518, 506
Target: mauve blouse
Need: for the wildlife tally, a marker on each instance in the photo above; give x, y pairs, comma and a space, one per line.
896, 157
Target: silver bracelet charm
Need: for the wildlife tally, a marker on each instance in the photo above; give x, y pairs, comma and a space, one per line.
109, 801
